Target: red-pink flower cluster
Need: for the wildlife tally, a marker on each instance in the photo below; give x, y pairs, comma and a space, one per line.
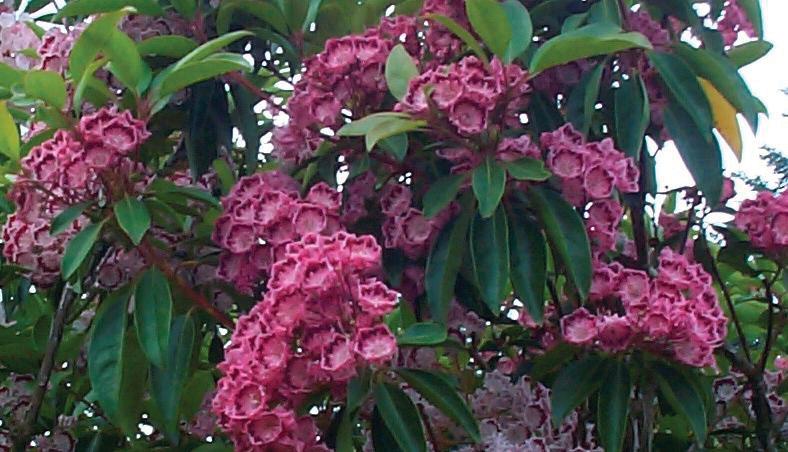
765, 220
589, 171
319, 321
468, 93
675, 314
734, 21
406, 227
55, 48
441, 44
262, 214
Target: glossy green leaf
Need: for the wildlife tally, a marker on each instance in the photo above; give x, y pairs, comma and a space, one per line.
401, 417
441, 395
173, 46
125, 62
167, 382
225, 174
488, 181
96, 37
461, 33
153, 314
396, 145
9, 134
522, 29
78, 249
10, 76
584, 42
632, 115
210, 67
575, 383
48, 86
163, 187
423, 333
391, 128
749, 52
89, 7
382, 438
583, 99
680, 393
683, 83
490, 22
265, 11
185, 8
205, 50
105, 354
344, 441
400, 69
363, 126
311, 14
700, 153
489, 245
133, 385
443, 264
441, 193
613, 407
133, 218
528, 255
566, 234
66, 218
527, 168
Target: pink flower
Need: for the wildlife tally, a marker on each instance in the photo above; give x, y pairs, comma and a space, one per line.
376, 344
468, 115
376, 299
579, 327
614, 333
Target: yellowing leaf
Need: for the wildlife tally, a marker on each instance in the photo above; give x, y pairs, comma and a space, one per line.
724, 117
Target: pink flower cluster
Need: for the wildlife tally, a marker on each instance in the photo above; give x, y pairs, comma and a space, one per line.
441, 45
589, 171
734, 22
468, 93
319, 321
15, 398
675, 314
16, 37
733, 392
406, 227
55, 48
509, 149
262, 214
765, 220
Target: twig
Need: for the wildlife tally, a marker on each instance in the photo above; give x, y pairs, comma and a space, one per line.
769, 325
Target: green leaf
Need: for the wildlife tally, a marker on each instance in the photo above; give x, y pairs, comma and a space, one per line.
210, 67
489, 244
66, 218
527, 168
683, 83
89, 7
396, 145
125, 62
566, 235
382, 438
461, 33
9, 135
361, 127
311, 14
443, 264
95, 38
133, 385
391, 128
632, 115
522, 29
424, 333
105, 353
185, 8
163, 187
173, 46
574, 384
400, 417
48, 86
265, 11
133, 218
613, 407
440, 394
584, 42
749, 52
10, 76
488, 181
152, 315
700, 153
490, 22
583, 99
344, 442
400, 70
680, 393
78, 249
528, 264
205, 50
442, 192
225, 174
167, 382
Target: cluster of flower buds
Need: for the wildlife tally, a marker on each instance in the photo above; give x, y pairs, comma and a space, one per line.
319, 321
765, 220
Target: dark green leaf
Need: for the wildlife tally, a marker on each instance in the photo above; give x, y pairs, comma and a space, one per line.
440, 394
442, 193
9, 135
749, 52
680, 393
344, 442
225, 174
96, 37
66, 218
583, 99
488, 181
754, 14
48, 86
584, 42
461, 33
574, 384
161, 186
265, 11
613, 407
489, 244
425, 333
78, 249
185, 8
105, 354
527, 168
490, 22
400, 69
133, 218
683, 83
174, 46
89, 7
363, 126
210, 67
700, 153
528, 264
10, 76
566, 235
152, 315
522, 29
633, 115
382, 438
391, 128
133, 385
400, 417
396, 145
